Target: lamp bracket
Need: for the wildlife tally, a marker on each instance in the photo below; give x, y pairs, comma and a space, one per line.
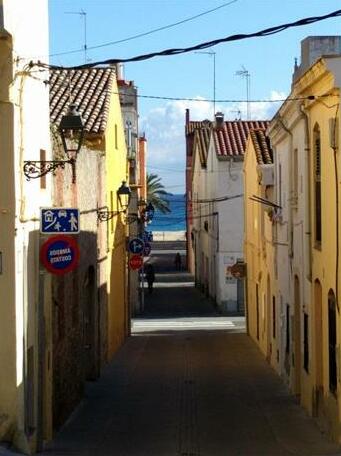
104, 215
131, 218
34, 169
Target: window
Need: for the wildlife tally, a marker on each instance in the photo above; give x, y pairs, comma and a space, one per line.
332, 341
295, 181
317, 187
287, 341
274, 317
305, 342
112, 209
295, 175
280, 184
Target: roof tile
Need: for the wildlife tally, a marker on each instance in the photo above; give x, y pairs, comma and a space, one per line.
89, 89
262, 146
230, 140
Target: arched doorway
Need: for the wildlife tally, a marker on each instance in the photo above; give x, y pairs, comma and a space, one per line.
268, 319
318, 346
332, 340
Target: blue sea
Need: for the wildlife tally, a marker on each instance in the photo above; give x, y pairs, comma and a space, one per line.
174, 220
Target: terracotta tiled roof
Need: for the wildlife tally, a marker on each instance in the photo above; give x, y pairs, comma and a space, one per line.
90, 91
194, 125
230, 140
201, 141
262, 147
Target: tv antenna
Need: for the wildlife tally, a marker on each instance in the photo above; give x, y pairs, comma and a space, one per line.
244, 73
82, 15
211, 54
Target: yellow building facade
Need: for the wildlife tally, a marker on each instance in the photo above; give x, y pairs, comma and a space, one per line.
293, 248
117, 229
322, 116
258, 245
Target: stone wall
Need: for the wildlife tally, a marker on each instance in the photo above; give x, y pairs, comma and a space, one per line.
79, 297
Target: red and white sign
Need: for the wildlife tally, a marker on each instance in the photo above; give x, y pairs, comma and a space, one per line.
135, 262
60, 254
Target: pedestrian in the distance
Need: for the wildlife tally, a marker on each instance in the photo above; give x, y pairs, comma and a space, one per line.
150, 277
177, 261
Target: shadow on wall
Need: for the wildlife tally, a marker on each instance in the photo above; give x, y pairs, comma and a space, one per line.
79, 329
117, 305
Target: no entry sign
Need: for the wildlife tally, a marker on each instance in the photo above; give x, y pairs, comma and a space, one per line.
59, 254
135, 262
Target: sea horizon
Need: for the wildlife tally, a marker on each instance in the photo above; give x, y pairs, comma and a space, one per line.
174, 220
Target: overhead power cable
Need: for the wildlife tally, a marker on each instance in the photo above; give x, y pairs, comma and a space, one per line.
207, 100
217, 200
176, 51
140, 35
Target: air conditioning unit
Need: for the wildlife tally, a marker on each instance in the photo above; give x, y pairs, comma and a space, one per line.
266, 174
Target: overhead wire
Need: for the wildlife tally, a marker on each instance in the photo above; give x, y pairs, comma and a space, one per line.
208, 100
140, 35
231, 38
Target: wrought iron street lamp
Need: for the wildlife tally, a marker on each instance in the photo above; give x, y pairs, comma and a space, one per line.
123, 197
150, 210
71, 130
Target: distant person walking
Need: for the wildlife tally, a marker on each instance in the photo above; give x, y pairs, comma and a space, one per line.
150, 277
177, 261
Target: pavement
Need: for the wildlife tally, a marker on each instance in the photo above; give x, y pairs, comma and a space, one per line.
188, 382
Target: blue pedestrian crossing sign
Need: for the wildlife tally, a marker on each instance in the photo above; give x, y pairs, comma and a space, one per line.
59, 220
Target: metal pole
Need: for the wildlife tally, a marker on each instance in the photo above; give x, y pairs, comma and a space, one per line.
213, 53
244, 73
248, 110
82, 13
85, 37
142, 291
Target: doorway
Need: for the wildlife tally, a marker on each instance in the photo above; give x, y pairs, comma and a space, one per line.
89, 322
297, 329
268, 320
318, 347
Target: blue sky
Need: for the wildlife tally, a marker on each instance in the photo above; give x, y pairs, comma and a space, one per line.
269, 60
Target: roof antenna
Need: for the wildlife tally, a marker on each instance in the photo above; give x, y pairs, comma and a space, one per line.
244, 73
82, 15
211, 54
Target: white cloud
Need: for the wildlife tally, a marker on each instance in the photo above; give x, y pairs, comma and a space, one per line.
165, 130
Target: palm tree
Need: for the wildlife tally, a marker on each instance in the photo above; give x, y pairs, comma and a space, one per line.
156, 194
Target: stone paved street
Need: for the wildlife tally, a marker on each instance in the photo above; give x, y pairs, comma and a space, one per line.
188, 382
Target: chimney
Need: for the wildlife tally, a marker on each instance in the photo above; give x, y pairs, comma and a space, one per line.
219, 120
120, 71
187, 116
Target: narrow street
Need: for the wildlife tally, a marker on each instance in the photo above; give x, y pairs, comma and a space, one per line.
188, 382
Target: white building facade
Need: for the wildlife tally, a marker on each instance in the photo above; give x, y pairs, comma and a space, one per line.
218, 211
25, 311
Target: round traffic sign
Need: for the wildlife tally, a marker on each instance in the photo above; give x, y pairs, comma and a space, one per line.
60, 254
135, 262
136, 246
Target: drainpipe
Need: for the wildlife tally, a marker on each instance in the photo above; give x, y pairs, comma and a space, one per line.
334, 146
307, 217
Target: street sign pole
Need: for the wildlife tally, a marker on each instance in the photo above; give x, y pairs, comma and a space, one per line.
142, 292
